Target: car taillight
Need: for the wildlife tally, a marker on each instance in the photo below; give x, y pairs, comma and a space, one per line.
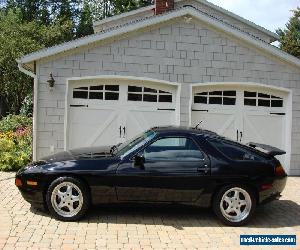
18, 182
279, 171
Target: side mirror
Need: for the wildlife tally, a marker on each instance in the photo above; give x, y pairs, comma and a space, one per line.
139, 161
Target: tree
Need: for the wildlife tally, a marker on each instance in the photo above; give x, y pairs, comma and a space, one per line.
106, 8
85, 25
17, 39
30, 25
290, 36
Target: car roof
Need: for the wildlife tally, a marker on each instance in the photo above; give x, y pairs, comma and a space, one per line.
186, 130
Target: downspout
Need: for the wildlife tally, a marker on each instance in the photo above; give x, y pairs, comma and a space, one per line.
35, 89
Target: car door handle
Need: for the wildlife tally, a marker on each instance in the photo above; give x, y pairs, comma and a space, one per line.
203, 169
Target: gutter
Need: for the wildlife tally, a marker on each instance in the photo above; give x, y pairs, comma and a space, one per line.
35, 89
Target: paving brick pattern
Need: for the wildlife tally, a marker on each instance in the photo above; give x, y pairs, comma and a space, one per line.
121, 227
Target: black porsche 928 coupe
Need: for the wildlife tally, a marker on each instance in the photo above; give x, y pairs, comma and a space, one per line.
162, 165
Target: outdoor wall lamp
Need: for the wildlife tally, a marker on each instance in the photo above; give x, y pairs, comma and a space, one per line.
51, 81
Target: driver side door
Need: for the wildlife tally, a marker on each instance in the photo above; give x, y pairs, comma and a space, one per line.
171, 169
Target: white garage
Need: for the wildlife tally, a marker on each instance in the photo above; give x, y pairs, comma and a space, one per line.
103, 111
244, 112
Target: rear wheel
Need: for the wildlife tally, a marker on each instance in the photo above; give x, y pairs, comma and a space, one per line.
234, 205
67, 199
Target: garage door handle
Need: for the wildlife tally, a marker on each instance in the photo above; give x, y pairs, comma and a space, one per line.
124, 130
241, 136
120, 131
79, 106
237, 135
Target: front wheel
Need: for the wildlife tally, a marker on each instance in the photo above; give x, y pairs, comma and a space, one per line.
234, 205
67, 199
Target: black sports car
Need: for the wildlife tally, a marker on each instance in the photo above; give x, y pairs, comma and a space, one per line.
162, 165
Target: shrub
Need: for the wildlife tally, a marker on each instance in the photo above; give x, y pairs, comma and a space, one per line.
15, 143
27, 106
14, 122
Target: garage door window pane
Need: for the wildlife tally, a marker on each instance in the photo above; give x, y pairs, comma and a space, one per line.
135, 89
165, 98
135, 97
229, 93
200, 99
80, 94
148, 90
150, 98
173, 149
215, 93
82, 88
112, 87
111, 96
277, 103
250, 102
96, 95
250, 94
263, 95
100, 87
215, 100
263, 103
228, 101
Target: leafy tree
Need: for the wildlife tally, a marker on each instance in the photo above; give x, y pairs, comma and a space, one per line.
30, 25
16, 39
106, 8
290, 36
85, 25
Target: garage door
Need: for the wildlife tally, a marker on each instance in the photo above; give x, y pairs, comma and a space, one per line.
241, 113
112, 112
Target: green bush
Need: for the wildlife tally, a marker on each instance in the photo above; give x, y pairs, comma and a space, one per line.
15, 142
27, 106
14, 122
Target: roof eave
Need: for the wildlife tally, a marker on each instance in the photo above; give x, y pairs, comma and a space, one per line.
123, 15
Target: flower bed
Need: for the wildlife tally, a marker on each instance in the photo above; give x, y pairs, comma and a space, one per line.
15, 142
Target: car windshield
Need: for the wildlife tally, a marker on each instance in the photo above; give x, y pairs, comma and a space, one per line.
131, 145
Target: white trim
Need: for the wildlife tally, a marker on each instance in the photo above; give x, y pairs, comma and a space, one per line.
237, 17
156, 20
72, 80
124, 15
35, 108
289, 108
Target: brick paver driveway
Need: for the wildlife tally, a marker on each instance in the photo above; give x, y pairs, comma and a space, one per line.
122, 227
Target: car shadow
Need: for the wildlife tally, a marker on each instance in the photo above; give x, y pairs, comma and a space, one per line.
277, 214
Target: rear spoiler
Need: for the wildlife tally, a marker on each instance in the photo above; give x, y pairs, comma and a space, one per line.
272, 151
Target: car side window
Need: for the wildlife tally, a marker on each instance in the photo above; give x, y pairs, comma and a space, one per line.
235, 152
174, 149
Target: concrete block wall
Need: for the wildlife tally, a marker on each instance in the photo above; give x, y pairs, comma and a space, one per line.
177, 52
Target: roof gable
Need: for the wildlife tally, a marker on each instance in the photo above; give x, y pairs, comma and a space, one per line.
269, 33
157, 20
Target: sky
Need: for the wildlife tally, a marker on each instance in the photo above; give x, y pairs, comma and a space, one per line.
270, 14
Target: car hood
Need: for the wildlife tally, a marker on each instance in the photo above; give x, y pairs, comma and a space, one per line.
81, 153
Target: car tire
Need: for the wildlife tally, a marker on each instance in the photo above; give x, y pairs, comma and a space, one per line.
234, 205
67, 199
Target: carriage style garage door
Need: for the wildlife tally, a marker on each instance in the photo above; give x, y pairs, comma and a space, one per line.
107, 112
242, 112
